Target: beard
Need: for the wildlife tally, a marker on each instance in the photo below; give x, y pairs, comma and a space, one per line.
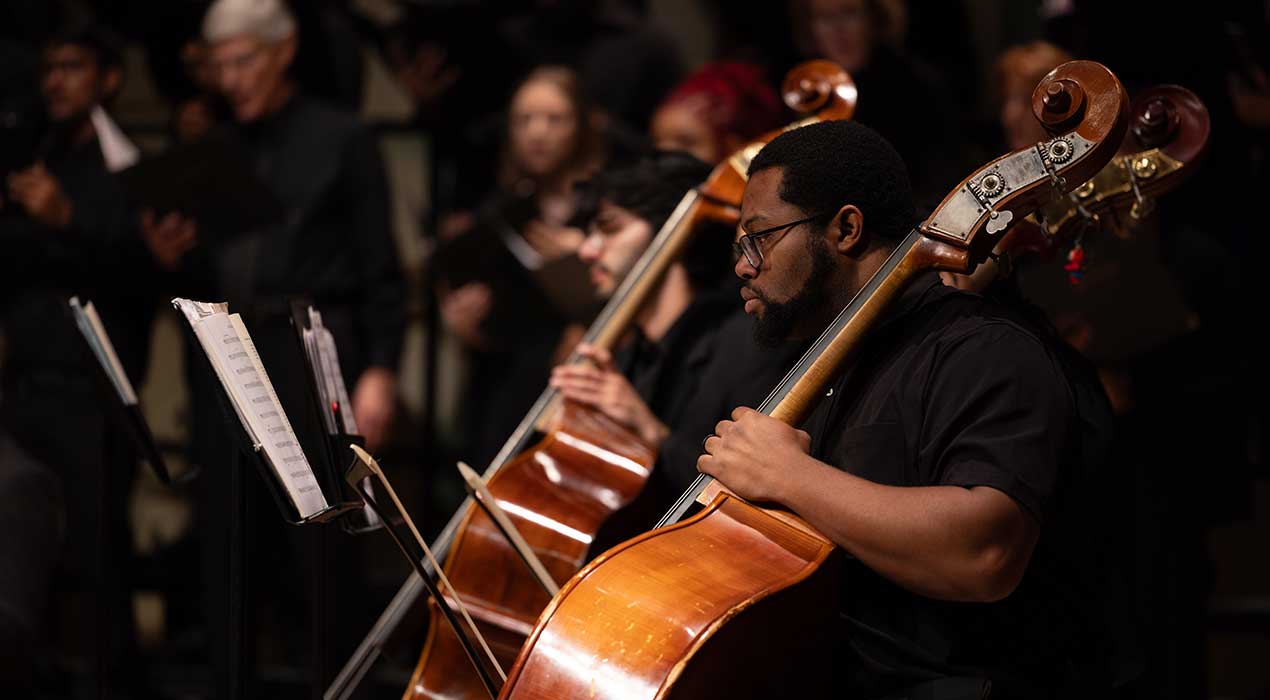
780, 319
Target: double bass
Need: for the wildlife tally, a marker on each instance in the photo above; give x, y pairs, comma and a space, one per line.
1167, 137
583, 467
729, 602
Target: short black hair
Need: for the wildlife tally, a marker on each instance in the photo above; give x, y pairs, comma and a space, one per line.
831, 164
102, 42
650, 187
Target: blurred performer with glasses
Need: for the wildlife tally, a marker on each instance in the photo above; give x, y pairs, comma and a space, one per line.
333, 245
66, 230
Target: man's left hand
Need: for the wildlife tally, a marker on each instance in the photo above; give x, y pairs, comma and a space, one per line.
41, 195
375, 404
754, 454
601, 386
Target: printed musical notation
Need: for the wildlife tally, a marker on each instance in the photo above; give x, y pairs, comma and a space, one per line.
237, 364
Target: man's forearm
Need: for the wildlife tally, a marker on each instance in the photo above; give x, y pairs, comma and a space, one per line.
944, 542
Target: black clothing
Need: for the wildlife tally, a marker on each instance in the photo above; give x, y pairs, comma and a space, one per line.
705, 366
953, 389
52, 401
32, 529
50, 384
99, 257
335, 247
336, 243
522, 330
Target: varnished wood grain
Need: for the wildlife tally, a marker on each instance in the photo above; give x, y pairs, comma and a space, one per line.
557, 495
641, 645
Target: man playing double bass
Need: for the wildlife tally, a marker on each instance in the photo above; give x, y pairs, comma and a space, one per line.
945, 462
671, 381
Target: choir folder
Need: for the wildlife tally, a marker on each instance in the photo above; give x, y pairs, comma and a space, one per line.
90, 327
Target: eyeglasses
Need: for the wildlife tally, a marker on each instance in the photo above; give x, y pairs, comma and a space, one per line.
748, 246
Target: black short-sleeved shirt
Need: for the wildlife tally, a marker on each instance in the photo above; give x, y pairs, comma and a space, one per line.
952, 389
705, 365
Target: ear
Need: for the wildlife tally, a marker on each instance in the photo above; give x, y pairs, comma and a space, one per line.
845, 231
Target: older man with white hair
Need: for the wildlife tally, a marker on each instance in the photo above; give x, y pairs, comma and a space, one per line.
333, 246
253, 43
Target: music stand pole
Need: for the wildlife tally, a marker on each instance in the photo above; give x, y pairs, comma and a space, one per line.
237, 642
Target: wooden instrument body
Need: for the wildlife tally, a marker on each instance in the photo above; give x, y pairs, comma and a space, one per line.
735, 601
722, 646
557, 493
561, 490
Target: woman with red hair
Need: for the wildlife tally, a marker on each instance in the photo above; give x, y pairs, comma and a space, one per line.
716, 111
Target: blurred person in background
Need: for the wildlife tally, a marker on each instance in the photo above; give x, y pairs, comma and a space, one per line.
439, 55
716, 111
66, 230
334, 246
195, 116
624, 63
909, 103
1016, 74
499, 283
32, 533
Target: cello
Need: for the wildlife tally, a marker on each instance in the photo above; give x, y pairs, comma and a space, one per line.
723, 604
583, 467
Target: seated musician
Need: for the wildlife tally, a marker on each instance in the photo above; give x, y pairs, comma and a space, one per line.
666, 383
944, 462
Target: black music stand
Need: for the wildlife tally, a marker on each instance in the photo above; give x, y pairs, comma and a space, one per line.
335, 454
244, 451
132, 420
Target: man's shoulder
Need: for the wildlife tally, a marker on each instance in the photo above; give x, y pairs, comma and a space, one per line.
976, 333
955, 315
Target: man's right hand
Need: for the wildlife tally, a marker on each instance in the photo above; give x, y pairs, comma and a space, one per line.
168, 238
42, 196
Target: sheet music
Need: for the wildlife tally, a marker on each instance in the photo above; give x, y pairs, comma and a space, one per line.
91, 327
328, 365
315, 361
237, 364
320, 345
